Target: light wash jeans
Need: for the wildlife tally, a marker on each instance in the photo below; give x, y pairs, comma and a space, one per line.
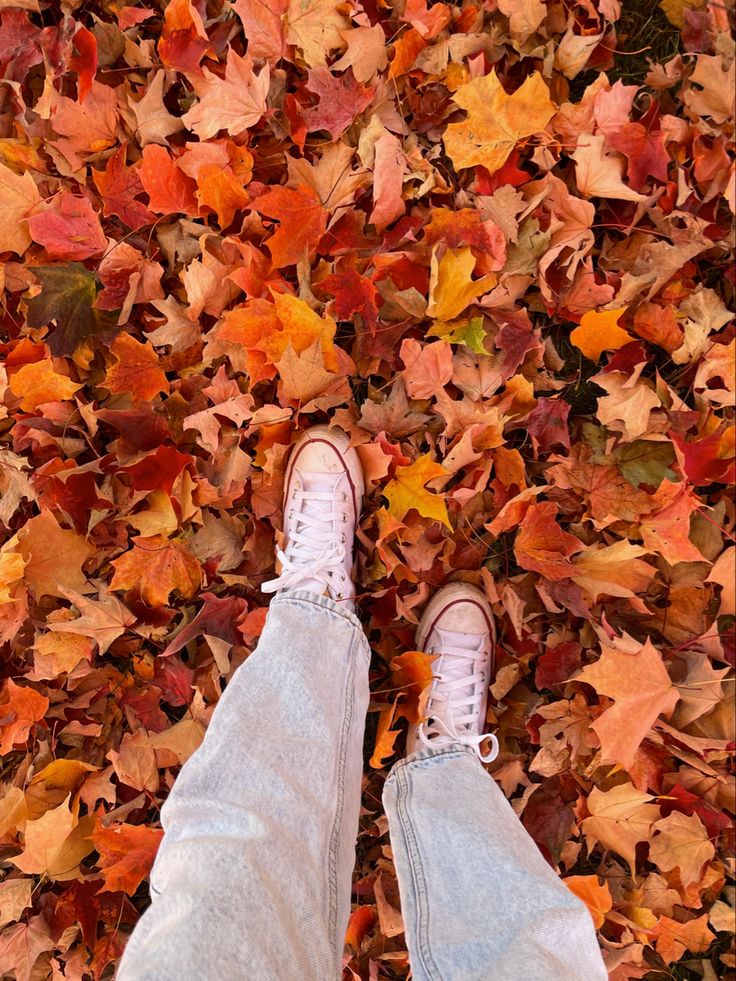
253, 877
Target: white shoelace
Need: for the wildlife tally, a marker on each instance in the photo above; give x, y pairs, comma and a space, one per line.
453, 706
316, 549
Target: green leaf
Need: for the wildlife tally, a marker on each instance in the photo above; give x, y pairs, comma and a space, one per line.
67, 298
645, 462
469, 332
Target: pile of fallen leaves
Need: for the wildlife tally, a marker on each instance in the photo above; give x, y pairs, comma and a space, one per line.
471, 236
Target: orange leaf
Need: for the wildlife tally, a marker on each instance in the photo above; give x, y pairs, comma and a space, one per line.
411, 674
169, 189
222, 192
302, 222
385, 737
599, 332
20, 709
642, 691
39, 382
496, 121
596, 897
137, 371
361, 922
156, 567
127, 852
55, 844
542, 546
54, 556
673, 938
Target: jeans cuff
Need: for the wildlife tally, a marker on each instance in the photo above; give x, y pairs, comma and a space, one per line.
427, 755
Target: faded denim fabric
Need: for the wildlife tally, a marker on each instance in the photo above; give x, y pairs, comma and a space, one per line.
477, 898
253, 877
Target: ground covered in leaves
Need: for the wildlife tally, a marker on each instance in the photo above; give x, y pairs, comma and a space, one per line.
491, 240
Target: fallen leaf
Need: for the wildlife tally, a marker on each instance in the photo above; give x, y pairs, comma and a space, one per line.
126, 852
642, 691
407, 491
599, 332
155, 567
496, 121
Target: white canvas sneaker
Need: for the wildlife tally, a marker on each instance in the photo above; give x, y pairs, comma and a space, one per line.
457, 626
323, 495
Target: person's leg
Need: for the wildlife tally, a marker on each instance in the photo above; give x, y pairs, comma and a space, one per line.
252, 880
479, 902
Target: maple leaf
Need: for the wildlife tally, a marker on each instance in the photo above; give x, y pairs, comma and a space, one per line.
339, 101
67, 297
613, 570
54, 556
599, 332
388, 181
598, 173
55, 844
303, 376
496, 121
119, 187
221, 191
407, 491
234, 103
184, 40
668, 531
427, 368
137, 371
596, 897
542, 546
68, 228
18, 197
155, 124
39, 382
642, 691
103, 620
681, 841
302, 222
84, 60
126, 852
21, 707
673, 938
451, 288
169, 189
263, 25
315, 27
155, 567
619, 819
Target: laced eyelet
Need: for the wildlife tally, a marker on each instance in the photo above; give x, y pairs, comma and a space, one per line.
343, 539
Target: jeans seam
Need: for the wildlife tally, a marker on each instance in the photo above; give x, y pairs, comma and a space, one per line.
417, 874
333, 886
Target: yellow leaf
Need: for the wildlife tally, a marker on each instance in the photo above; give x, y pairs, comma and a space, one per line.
599, 332
301, 328
407, 491
496, 121
12, 565
451, 288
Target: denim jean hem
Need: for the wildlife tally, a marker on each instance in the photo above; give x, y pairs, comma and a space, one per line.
428, 754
